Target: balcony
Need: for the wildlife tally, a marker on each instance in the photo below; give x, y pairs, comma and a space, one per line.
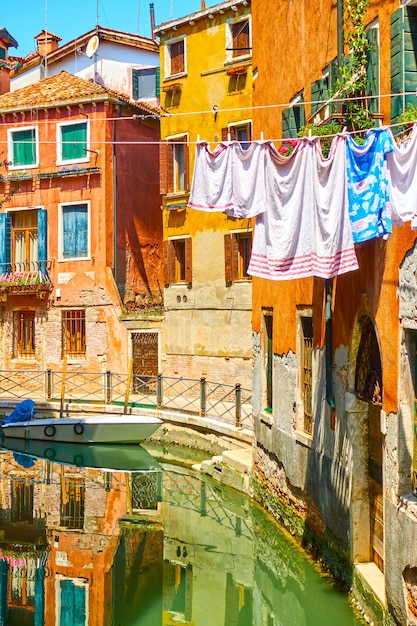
25, 278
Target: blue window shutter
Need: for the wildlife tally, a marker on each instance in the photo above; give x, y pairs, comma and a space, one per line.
5, 242
75, 229
42, 238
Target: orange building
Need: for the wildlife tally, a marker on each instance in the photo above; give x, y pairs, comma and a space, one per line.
80, 224
334, 380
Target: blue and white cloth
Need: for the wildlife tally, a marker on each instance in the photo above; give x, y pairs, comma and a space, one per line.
367, 178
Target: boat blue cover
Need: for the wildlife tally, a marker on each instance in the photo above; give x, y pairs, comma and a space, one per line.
23, 412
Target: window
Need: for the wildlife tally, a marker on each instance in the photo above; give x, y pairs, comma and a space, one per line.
72, 142
293, 118
73, 333
177, 253
241, 132
72, 601
74, 240
403, 59
237, 253
175, 58
269, 358
174, 165
372, 70
22, 501
238, 40
25, 334
24, 239
145, 83
306, 371
23, 147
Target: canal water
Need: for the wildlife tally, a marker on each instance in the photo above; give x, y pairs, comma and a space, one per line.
136, 537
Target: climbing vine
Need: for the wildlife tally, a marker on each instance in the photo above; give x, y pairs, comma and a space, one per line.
4, 165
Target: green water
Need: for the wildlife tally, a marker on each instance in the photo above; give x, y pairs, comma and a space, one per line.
153, 548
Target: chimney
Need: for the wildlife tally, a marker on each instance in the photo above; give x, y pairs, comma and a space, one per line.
46, 42
203, 4
152, 12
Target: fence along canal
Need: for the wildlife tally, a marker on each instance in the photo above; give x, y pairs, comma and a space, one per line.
230, 404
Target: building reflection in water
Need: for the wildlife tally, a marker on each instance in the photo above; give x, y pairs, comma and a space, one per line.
92, 547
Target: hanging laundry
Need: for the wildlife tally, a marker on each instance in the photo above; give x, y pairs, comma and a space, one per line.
306, 230
229, 179
402, 180
366, 168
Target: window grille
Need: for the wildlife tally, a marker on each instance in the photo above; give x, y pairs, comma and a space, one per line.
73, 330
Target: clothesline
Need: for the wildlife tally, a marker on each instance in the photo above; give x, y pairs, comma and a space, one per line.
310, 211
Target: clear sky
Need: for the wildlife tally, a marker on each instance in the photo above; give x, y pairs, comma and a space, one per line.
24, 19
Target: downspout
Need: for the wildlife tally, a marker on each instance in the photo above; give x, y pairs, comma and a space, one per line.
115, 269
329, 282
329, 356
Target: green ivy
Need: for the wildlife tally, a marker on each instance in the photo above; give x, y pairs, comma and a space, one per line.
4, 165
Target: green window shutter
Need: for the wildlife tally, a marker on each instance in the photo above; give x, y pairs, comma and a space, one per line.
373, 69
24, 147
319, 93
158, 82
403, 58
2, 54
74, 141
135, 84
293, 119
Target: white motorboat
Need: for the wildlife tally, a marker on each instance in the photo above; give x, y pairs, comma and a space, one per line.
96, 428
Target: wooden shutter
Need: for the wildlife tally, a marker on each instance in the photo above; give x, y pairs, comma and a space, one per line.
169, 263
166, 167
226, 131
188, 261
231, 257
186, 165
403, 59
372, 69
5, 242
42, 238
319, 93
135, 84
177, 57
288, 123
158, 82
240, 36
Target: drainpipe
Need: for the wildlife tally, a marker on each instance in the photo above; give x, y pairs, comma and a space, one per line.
340, 37
115, 269
329, 356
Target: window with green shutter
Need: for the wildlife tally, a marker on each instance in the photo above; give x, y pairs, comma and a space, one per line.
403, 59
23, 147
293, 118
372, 69
145, 83
72, 142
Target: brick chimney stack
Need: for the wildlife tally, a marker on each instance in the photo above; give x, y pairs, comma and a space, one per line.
46, 42
203, 4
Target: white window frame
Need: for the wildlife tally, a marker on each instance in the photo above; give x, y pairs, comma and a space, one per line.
59, 159
61, 258
168, 57
229, 40
10, 133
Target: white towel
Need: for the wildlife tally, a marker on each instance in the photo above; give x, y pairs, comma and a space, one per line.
229, 179
402, 180
306, 230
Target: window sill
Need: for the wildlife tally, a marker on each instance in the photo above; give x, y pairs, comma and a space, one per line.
75, 258
61, 163
174, 77
304, 439
246, 58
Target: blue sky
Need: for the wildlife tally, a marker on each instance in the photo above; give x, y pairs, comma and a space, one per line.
24, 19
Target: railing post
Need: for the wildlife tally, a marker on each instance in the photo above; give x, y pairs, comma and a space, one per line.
48, 384
108, 386
203, 397
159, 391
238, 395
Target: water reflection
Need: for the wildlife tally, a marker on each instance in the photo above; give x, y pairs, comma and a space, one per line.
150, 546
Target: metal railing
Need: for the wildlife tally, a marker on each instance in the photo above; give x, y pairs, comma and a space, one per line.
230, 404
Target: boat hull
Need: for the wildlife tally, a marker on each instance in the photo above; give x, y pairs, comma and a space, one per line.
108, 457
86, 429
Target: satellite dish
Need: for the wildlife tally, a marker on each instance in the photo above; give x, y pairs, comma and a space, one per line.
92, 46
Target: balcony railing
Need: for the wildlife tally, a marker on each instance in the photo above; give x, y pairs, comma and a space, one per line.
25, 277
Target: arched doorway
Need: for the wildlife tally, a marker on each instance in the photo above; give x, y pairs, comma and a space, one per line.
368, 387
